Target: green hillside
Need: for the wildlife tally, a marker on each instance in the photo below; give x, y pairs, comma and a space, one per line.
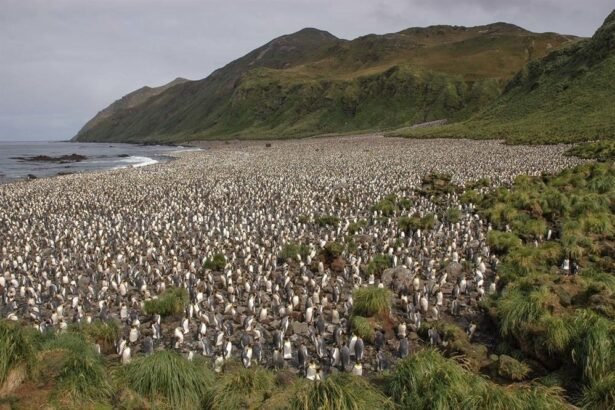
311, 82
567, 96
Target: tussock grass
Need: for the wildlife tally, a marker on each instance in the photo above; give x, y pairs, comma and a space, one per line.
240, 388
291, 250
355, 227
599, 150
378, 265
512, 369
430, 381
16, 348
81, 373
600, 394
101, 332
216, 263
517, 309
386, 207
340, 391
362, 327
333, 250
593, 345
327, 220
503, 242
557, 333
169, 378
453, 215
415, 222
172, 302
371, 301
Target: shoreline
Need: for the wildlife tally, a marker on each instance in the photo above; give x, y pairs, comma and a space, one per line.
86, 166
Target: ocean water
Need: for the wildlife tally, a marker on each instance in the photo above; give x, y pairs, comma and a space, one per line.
100, 156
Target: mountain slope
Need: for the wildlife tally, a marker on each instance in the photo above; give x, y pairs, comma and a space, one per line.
129, 101
567, 96
311, 82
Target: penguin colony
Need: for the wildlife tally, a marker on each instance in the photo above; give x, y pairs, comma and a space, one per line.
96, 246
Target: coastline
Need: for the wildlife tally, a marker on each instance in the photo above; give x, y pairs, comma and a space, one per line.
108, 158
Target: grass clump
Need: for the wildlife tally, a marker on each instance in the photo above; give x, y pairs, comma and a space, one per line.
378, 265
16, 349
340, 391
362, 327
518, 308
412, 223
386, 207
512, 369
241, 388
593, 347
172, 302
437, 184
79, 370
427, 380
453, 215
371, 301
599, 394
104, 333
355, 227
291, 250
169, 378
217, 262
598, 150
333, 250
503, 242
327, 220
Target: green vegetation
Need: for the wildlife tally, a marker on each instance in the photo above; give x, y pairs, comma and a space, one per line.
371, 301
241, 388
391, 204
168, 379
78, 369
172, 302
600, 394
458, 345
16, 349
340, 391
512, 369
453, 215
600, 150
327, 220
378, 264
563, 97
414, 222
502, 242
333, 250
563, 322
355, 227
436, 185
217, 262
98, 332
291, 250
427, 380
362, 327
312, 83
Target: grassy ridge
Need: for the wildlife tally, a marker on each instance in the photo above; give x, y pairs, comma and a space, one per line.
565, 97
311, 82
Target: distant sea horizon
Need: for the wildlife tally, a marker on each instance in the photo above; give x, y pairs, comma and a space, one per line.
98, 156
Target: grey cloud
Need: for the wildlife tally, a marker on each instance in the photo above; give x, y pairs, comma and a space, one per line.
63, 60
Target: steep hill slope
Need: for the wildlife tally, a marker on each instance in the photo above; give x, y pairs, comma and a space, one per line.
129, 101
311, 82
567, 96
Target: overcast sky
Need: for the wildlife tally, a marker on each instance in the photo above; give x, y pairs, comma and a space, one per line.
61, 61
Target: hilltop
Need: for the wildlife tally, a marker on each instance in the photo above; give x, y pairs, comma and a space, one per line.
566, 96
311, 82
